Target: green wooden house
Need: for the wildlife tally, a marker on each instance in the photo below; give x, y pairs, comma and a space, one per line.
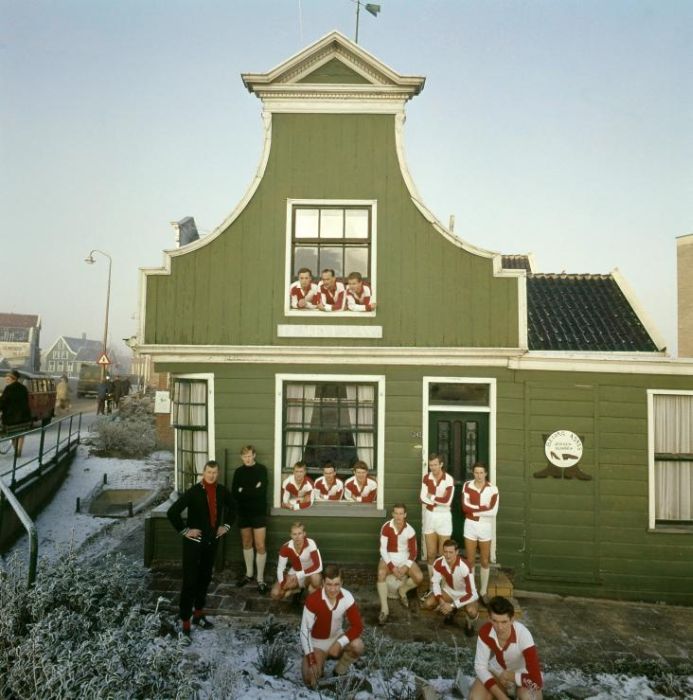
467, 352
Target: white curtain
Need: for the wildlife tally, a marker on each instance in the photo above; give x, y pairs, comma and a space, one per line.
673, 417
299, 413
360, 402
190, 411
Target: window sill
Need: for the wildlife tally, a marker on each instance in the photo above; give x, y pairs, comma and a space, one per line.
683, 529
333, 510
315, 313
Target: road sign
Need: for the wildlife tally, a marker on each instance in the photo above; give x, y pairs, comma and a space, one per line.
103, 360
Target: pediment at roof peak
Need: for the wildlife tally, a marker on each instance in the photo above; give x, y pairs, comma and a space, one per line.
337, 61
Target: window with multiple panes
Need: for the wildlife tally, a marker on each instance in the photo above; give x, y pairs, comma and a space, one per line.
190, 418
332, 237
672, 425
329, 422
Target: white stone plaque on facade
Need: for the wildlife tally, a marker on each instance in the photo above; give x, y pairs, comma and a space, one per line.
162, 402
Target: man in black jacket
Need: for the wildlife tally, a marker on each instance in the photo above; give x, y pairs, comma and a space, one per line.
211, 513
16, 413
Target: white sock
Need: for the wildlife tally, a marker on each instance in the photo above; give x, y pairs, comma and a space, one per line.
484, 575
382, 595
248, 559
260, 561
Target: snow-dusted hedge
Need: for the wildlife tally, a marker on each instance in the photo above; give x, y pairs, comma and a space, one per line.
128, 433
87, 631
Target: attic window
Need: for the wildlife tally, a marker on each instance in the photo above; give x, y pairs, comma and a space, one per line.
338, 235
338, 238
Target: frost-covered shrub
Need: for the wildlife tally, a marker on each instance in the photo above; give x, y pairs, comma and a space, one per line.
86, 630
273, 658
128, 433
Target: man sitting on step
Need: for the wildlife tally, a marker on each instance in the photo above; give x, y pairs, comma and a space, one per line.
453, 588
398, 552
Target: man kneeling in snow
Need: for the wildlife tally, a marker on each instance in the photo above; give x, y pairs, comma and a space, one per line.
506, 662
322, 628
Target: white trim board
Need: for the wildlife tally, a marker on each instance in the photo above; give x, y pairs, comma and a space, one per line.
325, 331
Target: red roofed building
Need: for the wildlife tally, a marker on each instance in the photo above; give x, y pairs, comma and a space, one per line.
19, 340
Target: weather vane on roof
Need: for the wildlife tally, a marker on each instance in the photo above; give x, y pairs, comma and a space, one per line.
372, 8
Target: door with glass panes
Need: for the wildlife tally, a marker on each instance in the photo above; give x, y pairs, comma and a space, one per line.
462, 439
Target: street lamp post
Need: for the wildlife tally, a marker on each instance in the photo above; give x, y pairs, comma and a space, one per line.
90, 260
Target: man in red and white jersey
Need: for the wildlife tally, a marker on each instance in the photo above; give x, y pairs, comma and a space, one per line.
329, 487
398, 552
480, 505
360, 488
297, 489
437, 490
506, 658
322, 628
359, 297
453, 588
303, 294
332, 294
299, 565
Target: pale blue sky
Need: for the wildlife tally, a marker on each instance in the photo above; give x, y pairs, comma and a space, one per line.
558, 127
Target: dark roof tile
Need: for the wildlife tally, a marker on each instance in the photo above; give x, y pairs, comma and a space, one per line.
582, 312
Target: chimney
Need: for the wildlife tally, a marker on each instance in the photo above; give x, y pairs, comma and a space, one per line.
186, 231
684, 264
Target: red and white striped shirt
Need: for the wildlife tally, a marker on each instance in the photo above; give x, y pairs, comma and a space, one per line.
293, 495
457, 582
437, 496
333, 300
353, 492
478, 504
324, 620
401, 542
518, 655
301, 564
296, 293
361, 302
323, 492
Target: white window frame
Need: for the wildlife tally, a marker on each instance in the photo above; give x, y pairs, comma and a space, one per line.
280, 379
651, 491
211, 441
288, 277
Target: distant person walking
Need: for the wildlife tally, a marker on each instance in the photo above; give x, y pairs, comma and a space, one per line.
101, 394
211, 513
62, 393
14, 404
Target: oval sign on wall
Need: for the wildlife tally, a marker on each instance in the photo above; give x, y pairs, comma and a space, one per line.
563, 448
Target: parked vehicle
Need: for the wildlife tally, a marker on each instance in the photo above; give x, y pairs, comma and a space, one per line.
41, 390
89, 378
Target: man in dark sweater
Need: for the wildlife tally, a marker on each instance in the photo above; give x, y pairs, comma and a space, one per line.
210, 515
249, 490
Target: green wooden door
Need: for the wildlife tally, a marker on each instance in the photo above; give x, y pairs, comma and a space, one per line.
462, 439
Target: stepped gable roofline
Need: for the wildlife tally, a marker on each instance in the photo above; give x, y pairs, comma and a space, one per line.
10, 320
587, 312
364, 76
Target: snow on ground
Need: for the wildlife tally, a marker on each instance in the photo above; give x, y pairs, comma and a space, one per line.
61, 528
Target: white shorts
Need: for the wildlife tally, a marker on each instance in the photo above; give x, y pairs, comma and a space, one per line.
456, 595
398, 559
324, 644
481, 530
437, 523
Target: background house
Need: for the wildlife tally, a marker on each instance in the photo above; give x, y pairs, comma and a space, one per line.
66, 355
469, 353
19, 340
